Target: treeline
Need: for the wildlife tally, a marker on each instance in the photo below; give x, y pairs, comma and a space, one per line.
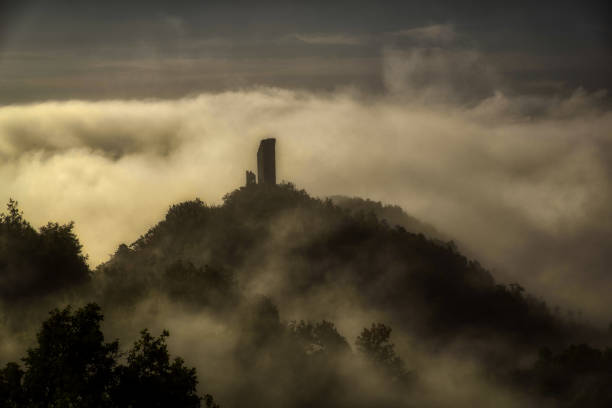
577, 376
36, 263
391, 214
72, 366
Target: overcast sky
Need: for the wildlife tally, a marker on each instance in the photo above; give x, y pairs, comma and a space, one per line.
490, 121
114, 49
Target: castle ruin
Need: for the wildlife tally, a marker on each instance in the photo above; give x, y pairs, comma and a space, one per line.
266, 164
250, 178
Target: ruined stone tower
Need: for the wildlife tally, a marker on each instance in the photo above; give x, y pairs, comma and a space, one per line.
266, 162
250, 178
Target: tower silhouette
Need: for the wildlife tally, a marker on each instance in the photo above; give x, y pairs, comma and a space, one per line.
266, 162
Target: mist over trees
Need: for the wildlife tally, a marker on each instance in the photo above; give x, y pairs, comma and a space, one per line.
375, 346
391, 214
422, 283
274, 272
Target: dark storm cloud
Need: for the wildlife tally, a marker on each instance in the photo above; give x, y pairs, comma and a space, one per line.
85, 49
576, 23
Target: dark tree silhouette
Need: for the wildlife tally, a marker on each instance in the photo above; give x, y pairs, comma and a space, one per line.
11, 389
36, 263
202, 286
374, 345
319, 337
578, 376
71, 363
151, 380
392, 214
72, 366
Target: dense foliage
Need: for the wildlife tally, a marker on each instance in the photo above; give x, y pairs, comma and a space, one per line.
374, 344
577, 376
391, 214
72, 366
35, 263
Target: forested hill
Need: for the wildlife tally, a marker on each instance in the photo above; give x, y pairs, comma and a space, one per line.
306, 249
281, 299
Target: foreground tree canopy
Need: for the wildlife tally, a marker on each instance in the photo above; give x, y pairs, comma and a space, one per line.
72, 366
35, 263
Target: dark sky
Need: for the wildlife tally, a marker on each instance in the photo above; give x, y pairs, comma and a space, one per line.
117, 49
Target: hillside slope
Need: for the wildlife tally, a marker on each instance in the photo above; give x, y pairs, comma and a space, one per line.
301, 251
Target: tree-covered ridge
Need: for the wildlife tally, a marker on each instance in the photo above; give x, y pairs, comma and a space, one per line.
392, 214
426, 283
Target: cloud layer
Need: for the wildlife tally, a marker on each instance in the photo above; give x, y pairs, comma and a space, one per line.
523, 183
